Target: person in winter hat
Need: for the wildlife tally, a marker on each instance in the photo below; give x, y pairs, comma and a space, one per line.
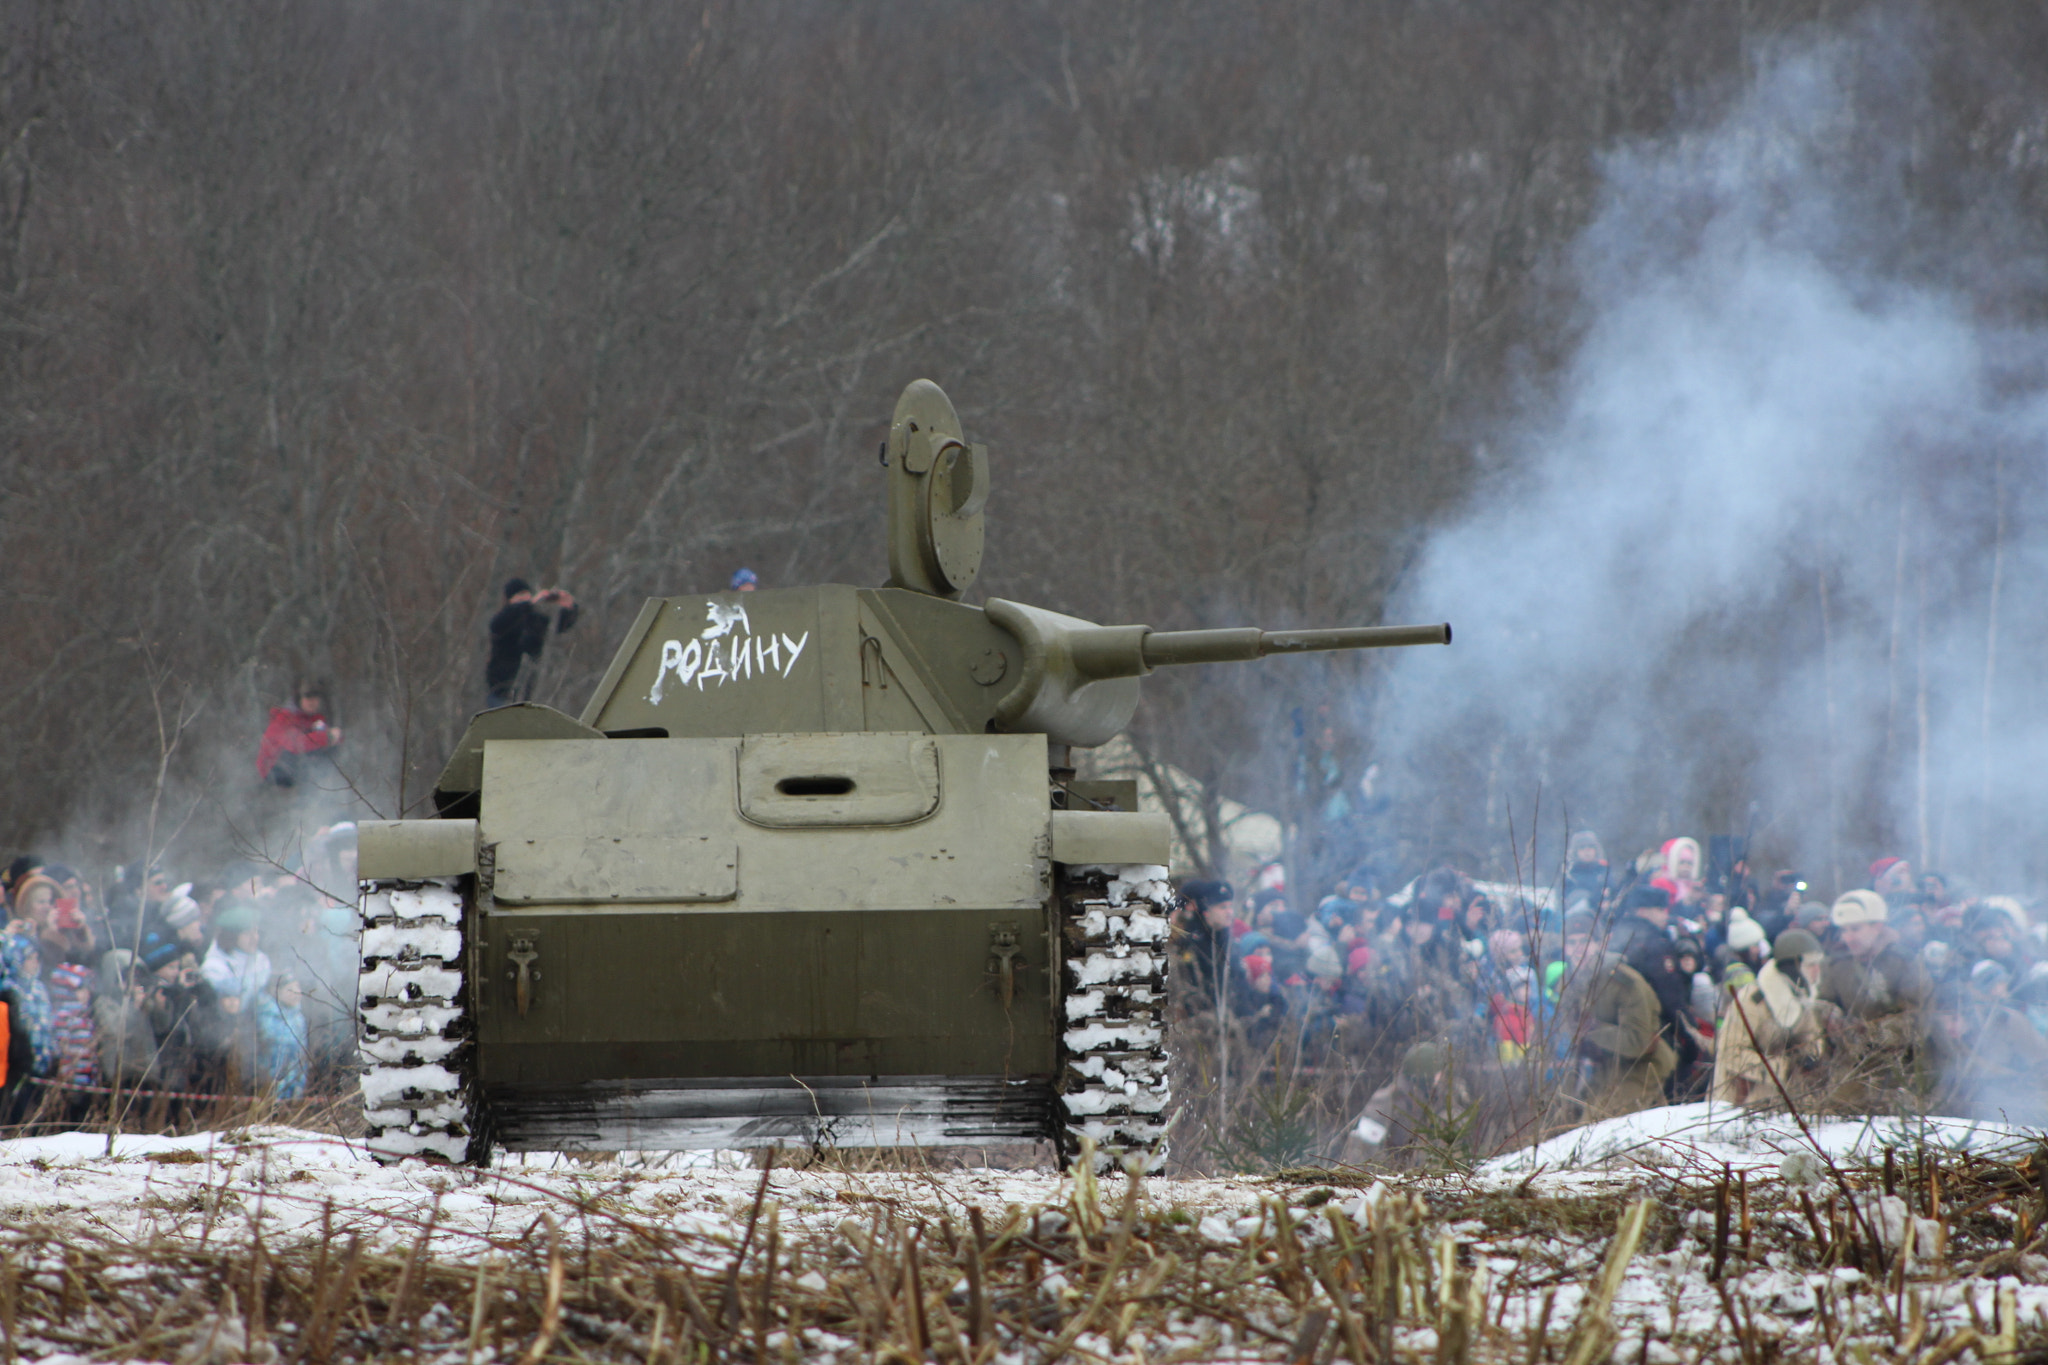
1885, 997
1747, 951
1678, 873
236, 966
192, 1035
1705, 1004
2030, 997
1202, 935
1774, 1031
181, 915
1892, 876
1586, 871
35, 912
1992, 930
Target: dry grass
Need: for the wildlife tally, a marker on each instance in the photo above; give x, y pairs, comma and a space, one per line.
908, 1267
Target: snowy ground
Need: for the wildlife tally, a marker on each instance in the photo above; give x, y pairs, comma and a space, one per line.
135, 1254
1702, 1137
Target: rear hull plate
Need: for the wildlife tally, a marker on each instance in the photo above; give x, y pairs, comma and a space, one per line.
819, 1112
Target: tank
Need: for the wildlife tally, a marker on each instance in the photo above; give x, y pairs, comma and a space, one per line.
811, 868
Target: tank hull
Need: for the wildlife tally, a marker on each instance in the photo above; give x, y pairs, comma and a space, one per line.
692, 917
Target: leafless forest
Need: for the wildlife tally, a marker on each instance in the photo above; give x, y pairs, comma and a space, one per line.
320, 319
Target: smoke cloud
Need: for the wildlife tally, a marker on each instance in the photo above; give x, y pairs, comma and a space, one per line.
1764, 556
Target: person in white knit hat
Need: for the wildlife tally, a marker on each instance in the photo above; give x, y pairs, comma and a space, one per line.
1747, 950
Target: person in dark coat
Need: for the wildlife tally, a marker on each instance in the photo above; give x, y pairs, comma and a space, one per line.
1642, 932
518, 633
1643, 939
1202, 935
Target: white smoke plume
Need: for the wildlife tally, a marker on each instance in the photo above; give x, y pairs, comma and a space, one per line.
1763, 554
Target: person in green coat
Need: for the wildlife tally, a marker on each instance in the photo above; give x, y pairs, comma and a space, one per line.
1623, 1054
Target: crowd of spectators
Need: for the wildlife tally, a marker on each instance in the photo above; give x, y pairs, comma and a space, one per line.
1622, 987
173, 992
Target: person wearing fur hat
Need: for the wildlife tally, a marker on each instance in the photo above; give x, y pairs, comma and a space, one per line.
1884, 996
1775, 1019
1678, 873
35, 913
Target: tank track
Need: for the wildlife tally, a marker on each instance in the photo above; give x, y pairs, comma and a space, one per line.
413, 1034
1113, 1082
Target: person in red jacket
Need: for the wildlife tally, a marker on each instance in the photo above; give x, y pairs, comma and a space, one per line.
296, 737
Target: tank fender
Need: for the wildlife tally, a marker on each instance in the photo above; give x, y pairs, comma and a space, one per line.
1085, 837
414, 850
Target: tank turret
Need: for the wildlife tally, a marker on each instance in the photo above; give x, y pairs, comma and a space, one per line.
911, 655
802, 871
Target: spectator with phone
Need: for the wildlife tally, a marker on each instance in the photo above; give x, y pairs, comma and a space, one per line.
519, 632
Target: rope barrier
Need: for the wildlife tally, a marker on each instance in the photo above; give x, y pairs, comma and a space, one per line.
48, 1084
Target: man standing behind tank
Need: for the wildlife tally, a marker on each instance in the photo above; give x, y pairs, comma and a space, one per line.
518, 634
1884, 995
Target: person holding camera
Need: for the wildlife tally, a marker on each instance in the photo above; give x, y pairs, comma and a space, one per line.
297, 739
519, 632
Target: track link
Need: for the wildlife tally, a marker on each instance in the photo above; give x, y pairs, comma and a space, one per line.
413, 1033
1113, 1085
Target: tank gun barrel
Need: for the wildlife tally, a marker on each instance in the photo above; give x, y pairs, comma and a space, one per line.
1164, 647
1100, 652
1079, 681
